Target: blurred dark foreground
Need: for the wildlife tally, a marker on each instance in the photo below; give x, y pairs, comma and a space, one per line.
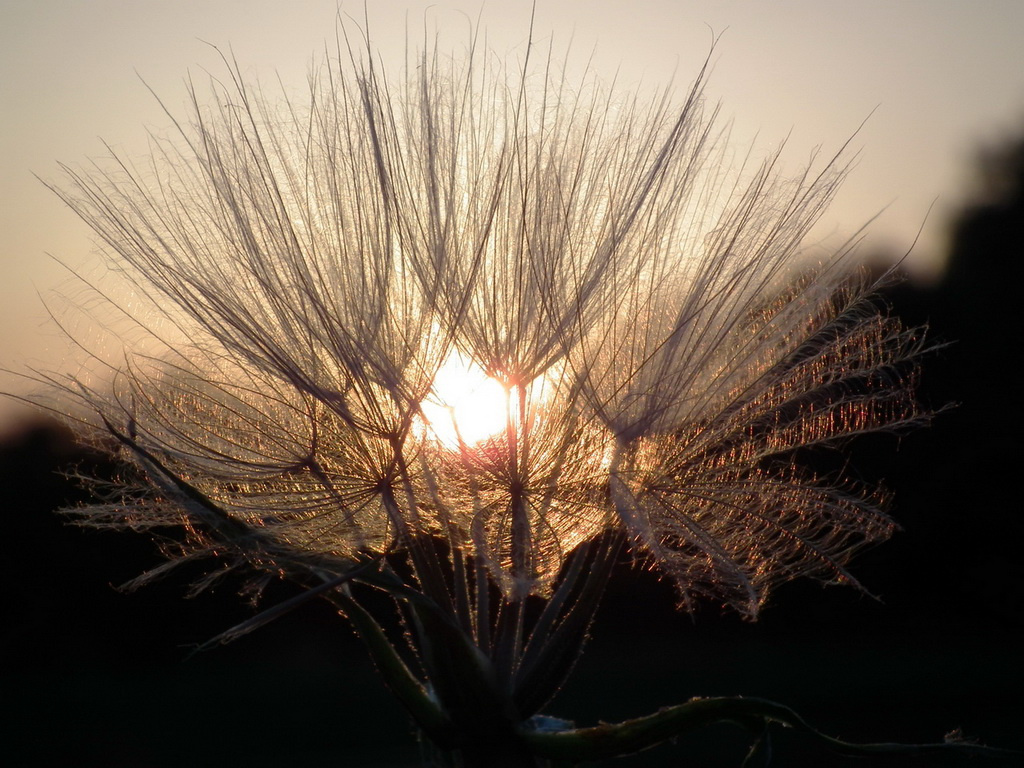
94, 677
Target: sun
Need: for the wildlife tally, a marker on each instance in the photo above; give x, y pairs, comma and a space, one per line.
465, 405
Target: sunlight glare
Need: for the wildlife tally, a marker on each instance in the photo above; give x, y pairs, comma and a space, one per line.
464, 402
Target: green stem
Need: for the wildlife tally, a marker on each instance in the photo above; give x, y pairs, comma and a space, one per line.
400, 680
614, 740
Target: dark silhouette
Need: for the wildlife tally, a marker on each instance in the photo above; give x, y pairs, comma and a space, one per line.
101, 678
957, 481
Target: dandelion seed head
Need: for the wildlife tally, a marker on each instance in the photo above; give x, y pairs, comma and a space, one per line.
332, 286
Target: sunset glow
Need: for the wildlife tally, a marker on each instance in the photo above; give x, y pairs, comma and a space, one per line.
466, 405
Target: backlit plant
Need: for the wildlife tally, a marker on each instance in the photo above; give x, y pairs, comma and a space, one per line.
466, 337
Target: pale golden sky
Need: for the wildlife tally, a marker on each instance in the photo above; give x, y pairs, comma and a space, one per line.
944, 77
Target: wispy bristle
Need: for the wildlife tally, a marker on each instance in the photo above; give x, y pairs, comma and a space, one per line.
302, 271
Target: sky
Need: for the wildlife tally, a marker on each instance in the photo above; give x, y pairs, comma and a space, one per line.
936, 81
